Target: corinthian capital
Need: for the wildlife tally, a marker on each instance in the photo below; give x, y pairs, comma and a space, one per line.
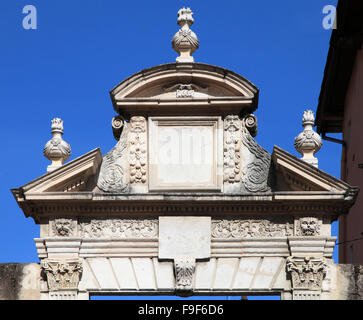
62, 274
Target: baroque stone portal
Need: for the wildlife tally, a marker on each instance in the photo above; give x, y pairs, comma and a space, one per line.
187, 202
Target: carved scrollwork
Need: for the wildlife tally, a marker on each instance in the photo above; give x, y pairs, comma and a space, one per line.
250, 229
185, 91
251, 124
114, 172
117, 125
119, 228
256, 170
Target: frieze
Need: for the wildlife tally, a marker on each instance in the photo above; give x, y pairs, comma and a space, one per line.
250, 229
119, 228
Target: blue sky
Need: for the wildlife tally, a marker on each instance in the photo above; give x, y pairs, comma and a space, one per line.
82, 49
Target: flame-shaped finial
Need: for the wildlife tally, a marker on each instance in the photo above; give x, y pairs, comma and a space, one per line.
308, 142
57, 150
185, 42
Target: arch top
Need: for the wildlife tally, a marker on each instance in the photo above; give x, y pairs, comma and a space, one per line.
184, 88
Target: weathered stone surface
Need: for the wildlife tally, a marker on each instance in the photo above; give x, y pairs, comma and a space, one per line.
19, 281
349, 282
114, 172
186, 153
184, 237
139, 219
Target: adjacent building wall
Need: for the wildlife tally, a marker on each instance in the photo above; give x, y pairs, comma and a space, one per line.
351, 226
19, 281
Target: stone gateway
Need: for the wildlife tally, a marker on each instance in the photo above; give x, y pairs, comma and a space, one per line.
187, 202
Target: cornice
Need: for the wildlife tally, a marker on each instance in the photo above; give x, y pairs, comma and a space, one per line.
86, 204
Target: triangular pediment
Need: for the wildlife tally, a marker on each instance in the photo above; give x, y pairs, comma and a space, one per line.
71, 177
299, 175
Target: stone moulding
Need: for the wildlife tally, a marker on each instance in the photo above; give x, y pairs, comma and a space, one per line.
182, 207
133, 96
62, 274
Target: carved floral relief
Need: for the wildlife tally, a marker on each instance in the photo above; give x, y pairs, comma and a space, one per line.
232, 157
250, 229
119, 228
138, 150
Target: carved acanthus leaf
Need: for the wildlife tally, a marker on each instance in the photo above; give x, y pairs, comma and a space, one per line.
184, 271
306, 273
62, 274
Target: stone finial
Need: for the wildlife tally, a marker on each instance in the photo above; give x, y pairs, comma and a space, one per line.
56, 149
308, 142
185, 42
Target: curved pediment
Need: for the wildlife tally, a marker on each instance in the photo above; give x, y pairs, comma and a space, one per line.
199, 88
